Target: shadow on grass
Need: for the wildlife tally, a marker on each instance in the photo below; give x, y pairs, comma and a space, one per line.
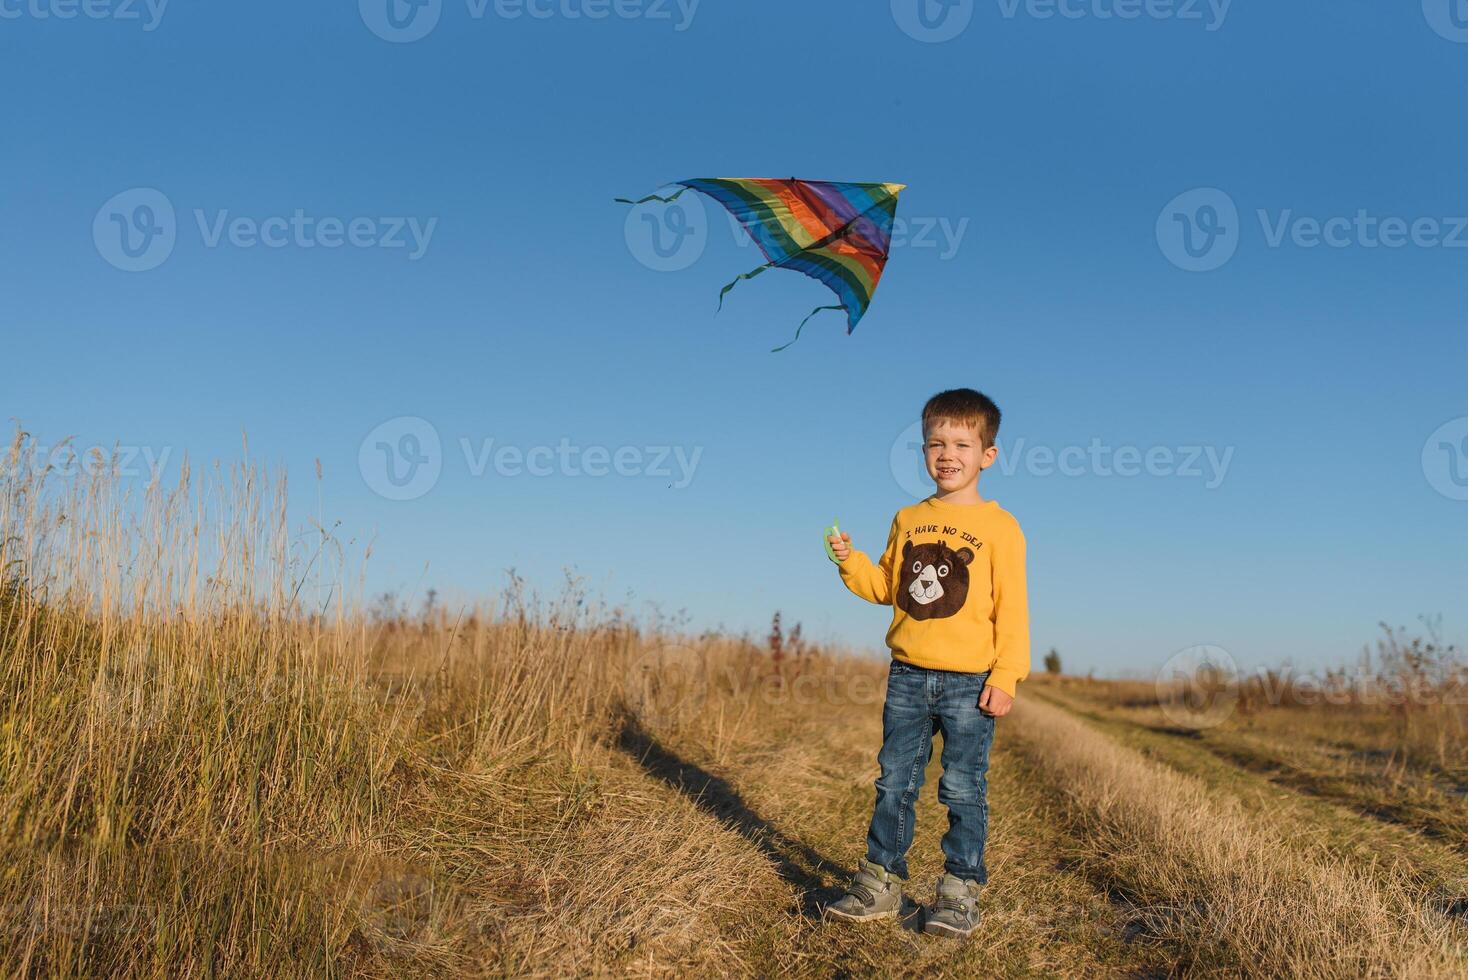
797, 862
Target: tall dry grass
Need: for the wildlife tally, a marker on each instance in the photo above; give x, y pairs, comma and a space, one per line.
1404, 701
216, 759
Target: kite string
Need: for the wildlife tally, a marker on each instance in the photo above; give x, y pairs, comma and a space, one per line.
653, 197
818, 309
747, 275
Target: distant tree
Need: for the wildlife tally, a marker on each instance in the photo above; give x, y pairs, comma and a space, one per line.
1052, 661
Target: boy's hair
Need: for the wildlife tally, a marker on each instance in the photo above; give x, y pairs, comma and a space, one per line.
964, 406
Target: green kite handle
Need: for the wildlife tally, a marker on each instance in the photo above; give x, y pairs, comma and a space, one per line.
826, 540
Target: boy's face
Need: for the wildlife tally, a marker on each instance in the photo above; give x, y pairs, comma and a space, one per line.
955, 455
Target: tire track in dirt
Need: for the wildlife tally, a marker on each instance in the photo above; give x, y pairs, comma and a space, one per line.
1233, 890
1319, 821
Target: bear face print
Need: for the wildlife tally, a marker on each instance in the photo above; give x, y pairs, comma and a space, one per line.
934, 581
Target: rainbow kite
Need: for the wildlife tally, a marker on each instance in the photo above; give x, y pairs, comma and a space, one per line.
837, 233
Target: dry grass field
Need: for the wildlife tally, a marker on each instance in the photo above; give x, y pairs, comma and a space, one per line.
204, 774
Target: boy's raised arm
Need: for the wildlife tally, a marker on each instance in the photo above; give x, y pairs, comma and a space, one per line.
872, 582
1011, 613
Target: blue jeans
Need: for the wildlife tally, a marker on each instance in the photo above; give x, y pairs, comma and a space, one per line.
919, 702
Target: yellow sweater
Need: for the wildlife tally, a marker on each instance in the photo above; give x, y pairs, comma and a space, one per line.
957, 572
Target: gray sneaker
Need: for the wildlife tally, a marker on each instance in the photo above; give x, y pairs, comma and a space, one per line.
956, 912
875, 893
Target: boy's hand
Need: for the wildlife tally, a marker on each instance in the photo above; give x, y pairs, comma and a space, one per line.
841, 546
995, 702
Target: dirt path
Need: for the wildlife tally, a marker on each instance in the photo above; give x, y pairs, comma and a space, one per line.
804, 806
799, 803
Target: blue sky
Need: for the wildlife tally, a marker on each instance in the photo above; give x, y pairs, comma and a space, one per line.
444, 247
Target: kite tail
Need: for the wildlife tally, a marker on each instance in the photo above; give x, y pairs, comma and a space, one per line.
818, 309
747, 275
653, 197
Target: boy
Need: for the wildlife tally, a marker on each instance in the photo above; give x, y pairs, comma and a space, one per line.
954, 573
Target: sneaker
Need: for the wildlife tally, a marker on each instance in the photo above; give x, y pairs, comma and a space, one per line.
956, 912
875, 893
